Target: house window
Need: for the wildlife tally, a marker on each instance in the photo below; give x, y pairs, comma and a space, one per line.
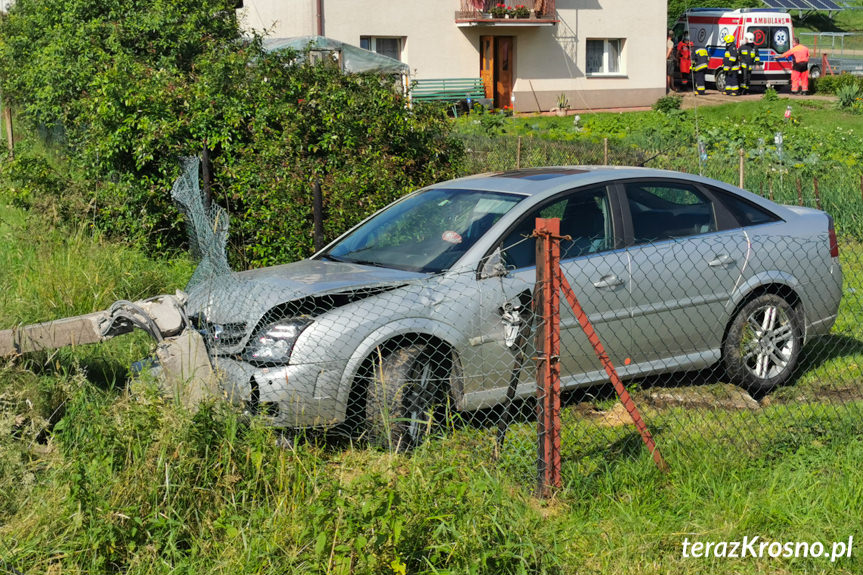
391, 47
604, 56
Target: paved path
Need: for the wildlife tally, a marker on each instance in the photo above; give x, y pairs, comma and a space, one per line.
714, 98
690, 100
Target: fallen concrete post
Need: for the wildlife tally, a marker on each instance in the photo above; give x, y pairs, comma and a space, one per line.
80, 330
161, 317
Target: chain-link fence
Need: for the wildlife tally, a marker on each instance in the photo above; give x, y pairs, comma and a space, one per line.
684, 318
841, 51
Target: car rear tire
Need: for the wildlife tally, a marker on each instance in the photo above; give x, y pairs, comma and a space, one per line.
763, 344
407, 388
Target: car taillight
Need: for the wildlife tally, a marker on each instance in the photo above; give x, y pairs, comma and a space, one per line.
834, 243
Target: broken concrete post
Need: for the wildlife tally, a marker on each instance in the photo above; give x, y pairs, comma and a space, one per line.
186, 372
80, 330
161, 317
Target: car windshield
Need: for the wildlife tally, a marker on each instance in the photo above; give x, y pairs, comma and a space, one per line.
426, 232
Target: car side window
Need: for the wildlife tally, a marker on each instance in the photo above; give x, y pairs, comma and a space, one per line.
668, 210
585, 216
745, 213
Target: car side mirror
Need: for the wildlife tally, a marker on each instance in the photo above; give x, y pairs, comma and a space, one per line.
494, 266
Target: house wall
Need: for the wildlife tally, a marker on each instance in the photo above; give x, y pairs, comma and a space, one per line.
549, 60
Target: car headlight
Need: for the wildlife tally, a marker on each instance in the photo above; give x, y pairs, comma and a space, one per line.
274, 342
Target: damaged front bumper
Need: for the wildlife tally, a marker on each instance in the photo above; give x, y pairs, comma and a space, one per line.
305, 395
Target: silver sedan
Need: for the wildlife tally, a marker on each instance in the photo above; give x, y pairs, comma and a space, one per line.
426, 304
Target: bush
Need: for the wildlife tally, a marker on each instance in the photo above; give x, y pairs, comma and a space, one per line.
668, 103
849, 96
832, 84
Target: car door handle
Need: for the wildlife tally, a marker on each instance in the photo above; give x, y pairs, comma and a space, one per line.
609, 281
722, 261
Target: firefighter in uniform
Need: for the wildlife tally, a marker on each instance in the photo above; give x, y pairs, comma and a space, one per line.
748, 59
699, 69
731, 66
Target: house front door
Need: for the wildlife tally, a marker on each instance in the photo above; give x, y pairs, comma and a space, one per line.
496, 62
486, 64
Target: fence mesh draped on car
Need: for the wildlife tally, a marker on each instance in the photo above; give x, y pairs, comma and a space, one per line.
707, 363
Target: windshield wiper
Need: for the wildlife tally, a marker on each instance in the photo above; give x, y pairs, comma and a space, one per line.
367, 263
332, 258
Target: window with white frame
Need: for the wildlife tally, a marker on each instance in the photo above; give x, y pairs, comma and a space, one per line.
604, 56
386, 46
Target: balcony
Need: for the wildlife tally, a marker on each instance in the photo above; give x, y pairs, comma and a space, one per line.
481, 13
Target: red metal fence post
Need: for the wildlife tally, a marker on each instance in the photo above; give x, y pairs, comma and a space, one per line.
622, 392
548, 343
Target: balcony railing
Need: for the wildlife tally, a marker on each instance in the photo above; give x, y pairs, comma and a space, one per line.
482, 12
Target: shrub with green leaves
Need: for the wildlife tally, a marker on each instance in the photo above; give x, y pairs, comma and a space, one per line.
668, 103
849, 96
832, 84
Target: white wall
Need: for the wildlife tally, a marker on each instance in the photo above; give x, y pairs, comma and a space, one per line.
548, 60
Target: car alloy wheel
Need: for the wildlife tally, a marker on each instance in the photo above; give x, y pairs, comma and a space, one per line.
763, 343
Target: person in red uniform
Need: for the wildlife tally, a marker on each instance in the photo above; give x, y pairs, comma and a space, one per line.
684, 60
800, 69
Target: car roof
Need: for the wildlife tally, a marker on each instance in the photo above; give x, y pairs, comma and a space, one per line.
530, 181
551, 179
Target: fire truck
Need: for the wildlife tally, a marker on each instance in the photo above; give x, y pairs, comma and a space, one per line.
773, 34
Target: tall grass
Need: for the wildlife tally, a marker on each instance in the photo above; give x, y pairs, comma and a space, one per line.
95, 478
136, 485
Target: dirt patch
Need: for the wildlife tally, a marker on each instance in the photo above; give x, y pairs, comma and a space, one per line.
714, 98
614, 417
843, 394
719, 396
690, 100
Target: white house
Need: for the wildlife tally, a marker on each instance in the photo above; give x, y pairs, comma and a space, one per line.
598, 53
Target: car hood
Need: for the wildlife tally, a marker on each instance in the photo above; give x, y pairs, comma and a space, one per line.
246, 296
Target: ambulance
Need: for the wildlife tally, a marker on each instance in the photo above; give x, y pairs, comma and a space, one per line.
773, 36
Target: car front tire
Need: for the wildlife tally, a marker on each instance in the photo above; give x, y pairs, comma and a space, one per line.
763, 344
406, 389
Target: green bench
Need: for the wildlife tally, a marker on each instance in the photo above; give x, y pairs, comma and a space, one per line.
452, 90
